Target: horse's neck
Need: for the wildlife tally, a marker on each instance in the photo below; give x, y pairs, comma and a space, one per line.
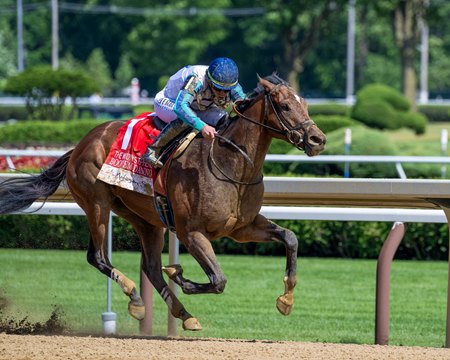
251, 138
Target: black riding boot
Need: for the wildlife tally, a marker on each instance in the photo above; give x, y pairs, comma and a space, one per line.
170, 132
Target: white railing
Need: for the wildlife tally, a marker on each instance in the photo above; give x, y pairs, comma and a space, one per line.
330, 159
333, 159
287, 213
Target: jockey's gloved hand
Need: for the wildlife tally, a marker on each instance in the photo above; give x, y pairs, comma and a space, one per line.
208, 132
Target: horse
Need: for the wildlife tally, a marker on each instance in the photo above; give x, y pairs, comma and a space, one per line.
215, 188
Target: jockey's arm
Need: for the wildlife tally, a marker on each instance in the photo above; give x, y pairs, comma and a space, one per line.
183, 103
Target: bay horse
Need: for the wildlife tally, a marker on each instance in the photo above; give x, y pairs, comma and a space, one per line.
216, 190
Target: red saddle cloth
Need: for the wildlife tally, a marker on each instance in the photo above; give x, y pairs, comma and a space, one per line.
124, 167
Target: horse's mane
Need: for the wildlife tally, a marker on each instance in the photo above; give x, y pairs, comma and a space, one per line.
273, 78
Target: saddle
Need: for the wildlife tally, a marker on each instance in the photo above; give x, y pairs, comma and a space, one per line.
178, 145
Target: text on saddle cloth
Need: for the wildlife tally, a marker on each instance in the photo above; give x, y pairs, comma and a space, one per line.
123, 166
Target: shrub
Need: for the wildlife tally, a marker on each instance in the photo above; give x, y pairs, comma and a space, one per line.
329, 123
349, 239
418, 170
413, 120
43, 232
13, 112
385, 94
435, 113
46, 90
365, 141
375, 114
382, 107
45, 132
328, 109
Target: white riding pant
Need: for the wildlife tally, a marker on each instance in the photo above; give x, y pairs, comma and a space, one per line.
164, 109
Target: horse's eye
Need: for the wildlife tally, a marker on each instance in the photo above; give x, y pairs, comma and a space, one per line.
285, 107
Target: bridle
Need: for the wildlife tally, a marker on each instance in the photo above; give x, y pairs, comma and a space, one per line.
292, 133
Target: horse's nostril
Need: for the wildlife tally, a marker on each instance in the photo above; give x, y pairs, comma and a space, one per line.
315, 140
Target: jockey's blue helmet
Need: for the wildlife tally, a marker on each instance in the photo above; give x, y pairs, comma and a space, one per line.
223, 73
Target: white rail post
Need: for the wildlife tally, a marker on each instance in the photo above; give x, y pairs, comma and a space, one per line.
135, 89
347, 143
173, 259
444, 142
10, 163
109, 317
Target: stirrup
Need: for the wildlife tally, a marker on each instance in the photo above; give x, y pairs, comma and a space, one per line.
150, 156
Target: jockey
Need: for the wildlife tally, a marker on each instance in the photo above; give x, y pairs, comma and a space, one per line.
196, 96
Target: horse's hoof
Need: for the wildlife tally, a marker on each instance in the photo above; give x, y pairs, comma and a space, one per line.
173, 270
192, 324
283, 306
136, 309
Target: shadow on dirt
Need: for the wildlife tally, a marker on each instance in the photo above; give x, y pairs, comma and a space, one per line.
53, 326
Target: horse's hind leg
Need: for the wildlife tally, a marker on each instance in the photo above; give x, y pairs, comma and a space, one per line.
152, 242
99, 260
264, 230
98, 220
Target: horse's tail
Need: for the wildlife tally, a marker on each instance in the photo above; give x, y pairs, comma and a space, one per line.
18, 193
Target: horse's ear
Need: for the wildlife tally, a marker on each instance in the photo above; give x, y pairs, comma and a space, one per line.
268, 86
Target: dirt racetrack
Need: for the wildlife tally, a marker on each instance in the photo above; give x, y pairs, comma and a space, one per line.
37, 347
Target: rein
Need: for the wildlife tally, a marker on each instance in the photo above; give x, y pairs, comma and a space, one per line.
282, 132
246, 157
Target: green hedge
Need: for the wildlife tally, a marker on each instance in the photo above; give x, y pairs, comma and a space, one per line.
316, 238
13, 112
45, 132
365, 141
328, 109
329, 123
435, 113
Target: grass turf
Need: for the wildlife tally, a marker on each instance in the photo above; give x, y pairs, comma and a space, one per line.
334, 298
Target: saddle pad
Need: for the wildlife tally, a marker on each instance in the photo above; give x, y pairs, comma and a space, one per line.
123, 167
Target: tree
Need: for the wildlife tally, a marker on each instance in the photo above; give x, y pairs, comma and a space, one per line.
68, 61
98, 68
124, 73
163, 43
439, 48
377, 57
405, 18
7, 64
299, 25
46, 90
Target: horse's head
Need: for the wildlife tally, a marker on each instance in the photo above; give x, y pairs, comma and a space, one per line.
288, 113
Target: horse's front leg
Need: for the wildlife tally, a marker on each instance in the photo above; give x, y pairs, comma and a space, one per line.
200, 248
264, 230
